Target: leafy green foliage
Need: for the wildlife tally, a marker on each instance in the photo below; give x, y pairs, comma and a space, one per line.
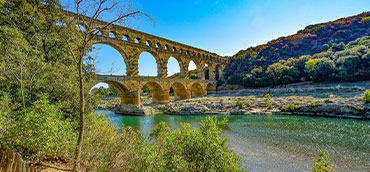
41, 133
322, 164
281, 74
192, 149
239, 104
336, 51
35, 74
110, 91
248, 103
267, 101
366, 96
105, 149
290, 108
193, 76
5, 111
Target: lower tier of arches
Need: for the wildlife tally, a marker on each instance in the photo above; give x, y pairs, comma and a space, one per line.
130, 90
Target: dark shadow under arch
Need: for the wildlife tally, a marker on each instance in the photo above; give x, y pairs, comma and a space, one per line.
197, 90
180, 91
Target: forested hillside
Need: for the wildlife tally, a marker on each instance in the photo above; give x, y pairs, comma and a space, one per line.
285, 59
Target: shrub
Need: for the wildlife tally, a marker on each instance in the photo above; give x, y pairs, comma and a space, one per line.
322, 164
239, 104
290, 108
266, 95
41, 133
193, 76
248, 103
315, 104
105, 149
359, 108
190, 149
327, 100
268, 102
5, 110
366, 96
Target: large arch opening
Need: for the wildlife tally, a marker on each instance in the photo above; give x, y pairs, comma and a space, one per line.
154, 91
106, 59
147, 64
192, 69
173, 68
115, 89
180, 92
218, 72
206, 72
197, 90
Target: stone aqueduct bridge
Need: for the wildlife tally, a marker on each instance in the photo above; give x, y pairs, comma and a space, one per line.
131, 43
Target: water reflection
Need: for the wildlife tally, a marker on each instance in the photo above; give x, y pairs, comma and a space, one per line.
290, 142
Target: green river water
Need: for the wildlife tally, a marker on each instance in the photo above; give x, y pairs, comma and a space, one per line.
280, 143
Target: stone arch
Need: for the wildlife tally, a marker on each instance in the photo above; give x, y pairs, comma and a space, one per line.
158, 46
200, 68
127, 97
179, 63
210, 87
126, 37
197, 90
148, 43
156, 58
191, 65
137, 40
219, 72
211, 71
98, 32
113, 34
119, 49
166, 47
82, 27
158, 94
180, 91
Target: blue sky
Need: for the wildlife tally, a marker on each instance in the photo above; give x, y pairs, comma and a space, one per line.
225, 26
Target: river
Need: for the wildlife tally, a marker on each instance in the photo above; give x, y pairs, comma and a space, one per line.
280, 143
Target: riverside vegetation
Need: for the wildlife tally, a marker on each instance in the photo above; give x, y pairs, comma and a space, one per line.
39, 101
39, 106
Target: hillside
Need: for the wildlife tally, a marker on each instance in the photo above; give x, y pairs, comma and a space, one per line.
312, 40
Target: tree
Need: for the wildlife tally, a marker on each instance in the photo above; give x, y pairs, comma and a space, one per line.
281, 74
80, 42
324, 70
310, 67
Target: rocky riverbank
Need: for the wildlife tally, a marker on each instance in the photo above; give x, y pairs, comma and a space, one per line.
341, 100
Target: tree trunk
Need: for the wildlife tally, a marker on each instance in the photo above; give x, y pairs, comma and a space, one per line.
77, 163
22, 91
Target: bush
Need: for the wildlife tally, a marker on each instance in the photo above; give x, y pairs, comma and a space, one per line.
359, 108
322, 164
248, 103
290, 108
5, 110
105, 149
41, 133
239, 104
315, 104
268, 102
193, 76
191, 149
366, 96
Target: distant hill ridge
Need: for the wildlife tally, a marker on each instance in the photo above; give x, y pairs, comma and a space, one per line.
311, 40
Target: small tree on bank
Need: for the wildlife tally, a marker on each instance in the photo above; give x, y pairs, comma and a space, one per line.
80, 41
